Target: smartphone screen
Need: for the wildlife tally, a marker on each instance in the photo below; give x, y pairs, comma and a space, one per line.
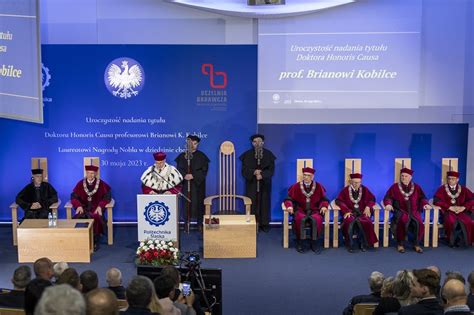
186, 288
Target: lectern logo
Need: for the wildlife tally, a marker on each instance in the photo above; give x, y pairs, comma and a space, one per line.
157, 213
124, 77
45, 76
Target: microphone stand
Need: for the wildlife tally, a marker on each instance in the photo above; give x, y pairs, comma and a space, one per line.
258, 157
189, 156
178, 192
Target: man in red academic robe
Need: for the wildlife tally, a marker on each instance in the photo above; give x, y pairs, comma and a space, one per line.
456, 203
356, 203
406, 199
89, 198
161, 178
307, 201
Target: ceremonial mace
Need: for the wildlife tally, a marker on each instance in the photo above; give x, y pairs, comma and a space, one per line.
258, 157
188, 155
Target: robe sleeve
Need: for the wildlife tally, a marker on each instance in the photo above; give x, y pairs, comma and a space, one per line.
21, 199
324, 201
200, 173
268, 171
181, 164
52, 195
340, 202
107, 196
75, 196
422, 197
146, 189
388, 198
469, 203
247, 172
290, 201
439, 200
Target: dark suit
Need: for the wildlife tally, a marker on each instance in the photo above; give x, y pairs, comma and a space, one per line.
137, 311
387, 305
424, 307
119, 292
364, 298
470, 301
12, 298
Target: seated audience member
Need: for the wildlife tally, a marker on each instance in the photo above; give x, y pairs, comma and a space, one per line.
71, 277
425, 283
155, 306
138, 293
402, 285
58, 269
43, 269
184, 303
470, 297
113, 277
89, 281
454, 275
16, 298
388, 303
164, 287
455, 298
61, 300
375, 283
438, 272
101, 302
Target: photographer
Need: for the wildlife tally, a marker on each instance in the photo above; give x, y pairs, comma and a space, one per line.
184, 302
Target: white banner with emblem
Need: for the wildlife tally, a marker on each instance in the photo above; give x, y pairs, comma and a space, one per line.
157, 217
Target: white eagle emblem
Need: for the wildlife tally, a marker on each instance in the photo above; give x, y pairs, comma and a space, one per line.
124, 82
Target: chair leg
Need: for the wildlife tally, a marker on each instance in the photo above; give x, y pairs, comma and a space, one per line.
110, 227
426, 241
326, 230
335, 230
15, 226
385, 228
285, 230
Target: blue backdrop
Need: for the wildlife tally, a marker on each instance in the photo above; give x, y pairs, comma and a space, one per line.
81, 115
376, 144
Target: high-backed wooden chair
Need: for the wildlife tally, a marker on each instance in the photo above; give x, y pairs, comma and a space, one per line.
300, 164
352, 166
227, 196
447, 164
110, 206
364, 308
36, 162
399, 164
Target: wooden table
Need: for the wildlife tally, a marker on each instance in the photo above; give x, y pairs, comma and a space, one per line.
232, 238
65, 242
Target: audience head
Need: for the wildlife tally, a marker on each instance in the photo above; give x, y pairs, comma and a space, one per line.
139, 292
43, 268
101, 302
21, 277
387, 287
164, 286
113, 277
33, 293
71, 277
89, 281
454, 275
376, 281
425, 284
61, 300
173, 273
470, 279
435, 269
59, 267
454, 293
402, 284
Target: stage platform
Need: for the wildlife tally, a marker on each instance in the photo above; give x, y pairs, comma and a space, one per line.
278, 281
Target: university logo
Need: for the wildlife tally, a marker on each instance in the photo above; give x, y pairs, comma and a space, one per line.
157, 213
208, 70
45, 77
124, 77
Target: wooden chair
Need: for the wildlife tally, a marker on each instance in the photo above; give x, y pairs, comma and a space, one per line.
227, 196
36, 162
300, 164
447, 164
364, 308
110, 206
351, 166
11, 311
399, 164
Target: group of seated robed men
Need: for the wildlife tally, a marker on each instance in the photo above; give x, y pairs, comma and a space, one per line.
308, 203
306, 200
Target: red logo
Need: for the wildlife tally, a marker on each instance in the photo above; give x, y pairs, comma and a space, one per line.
208, 69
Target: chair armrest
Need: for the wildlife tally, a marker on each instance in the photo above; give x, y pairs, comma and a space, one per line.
111, 204
247, 200
208, 200
55, 205
14, 205
283, 207
68, 204
334, 206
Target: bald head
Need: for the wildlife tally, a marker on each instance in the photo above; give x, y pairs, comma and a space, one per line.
101, 302
454, 293
113, 277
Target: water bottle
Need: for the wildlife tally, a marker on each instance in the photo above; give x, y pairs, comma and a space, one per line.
55, 219
50, 220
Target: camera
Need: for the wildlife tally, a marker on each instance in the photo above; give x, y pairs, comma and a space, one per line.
192, 260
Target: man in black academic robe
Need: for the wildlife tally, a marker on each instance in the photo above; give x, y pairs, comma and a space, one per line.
36, 197
194, 178
258, 166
